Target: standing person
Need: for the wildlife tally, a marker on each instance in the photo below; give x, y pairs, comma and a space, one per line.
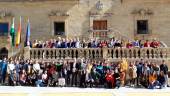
74, 73
155, 43
84, 43
17, 68
164, 68
156, 68
73, 43
3, 67
25, 66
58, 43
147, 43
124, 67
145, 74
132, 74
77, 43
11, 67
139, 66
122, 77
68, 75
63, 43
13, 78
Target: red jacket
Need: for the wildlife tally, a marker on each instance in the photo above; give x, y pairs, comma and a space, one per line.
109, 77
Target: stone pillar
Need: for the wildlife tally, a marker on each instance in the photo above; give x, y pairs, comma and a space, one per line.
105, 52
26, 53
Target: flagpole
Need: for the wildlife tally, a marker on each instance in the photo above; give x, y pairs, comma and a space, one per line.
12, 51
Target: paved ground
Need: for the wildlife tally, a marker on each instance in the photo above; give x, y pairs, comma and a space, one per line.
65, 91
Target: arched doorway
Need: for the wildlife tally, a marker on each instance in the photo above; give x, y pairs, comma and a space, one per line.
3, 52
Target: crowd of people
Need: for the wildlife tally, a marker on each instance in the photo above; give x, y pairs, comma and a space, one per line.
93, 43
84, 73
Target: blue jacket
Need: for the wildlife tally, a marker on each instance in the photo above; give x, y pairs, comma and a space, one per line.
3, 67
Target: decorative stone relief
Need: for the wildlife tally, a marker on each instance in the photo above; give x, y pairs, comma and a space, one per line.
58, 13
5, 13
99, 5
142, 12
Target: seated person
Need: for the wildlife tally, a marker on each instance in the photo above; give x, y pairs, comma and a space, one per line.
147, 43
117, 78
110, 79
153, 82
155, 44
45, 77
161, 79
22, 79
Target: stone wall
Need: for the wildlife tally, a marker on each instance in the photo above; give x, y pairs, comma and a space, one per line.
121, 20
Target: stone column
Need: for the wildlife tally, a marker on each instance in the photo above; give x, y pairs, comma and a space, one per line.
105, 52
26, 53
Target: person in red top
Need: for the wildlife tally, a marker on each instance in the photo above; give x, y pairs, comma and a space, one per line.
154, 44
103, 44
129, 45
147, 43
110, 79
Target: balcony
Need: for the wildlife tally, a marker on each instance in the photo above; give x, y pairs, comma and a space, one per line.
116, 54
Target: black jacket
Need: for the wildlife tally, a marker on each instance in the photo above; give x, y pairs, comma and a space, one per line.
164, 68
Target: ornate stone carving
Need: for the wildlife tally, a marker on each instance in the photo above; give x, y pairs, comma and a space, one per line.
5, 13
99, 5
142, 12
58, 13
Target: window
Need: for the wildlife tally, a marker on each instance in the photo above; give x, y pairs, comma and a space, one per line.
4, 29
59, 28
142, 27
100, 25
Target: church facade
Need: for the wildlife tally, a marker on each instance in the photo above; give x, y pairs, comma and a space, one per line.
127, 19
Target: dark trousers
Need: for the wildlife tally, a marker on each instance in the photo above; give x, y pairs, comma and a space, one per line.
139, 77
68, 77
156, 83
74, 79
117, 84
83, 80
3, 78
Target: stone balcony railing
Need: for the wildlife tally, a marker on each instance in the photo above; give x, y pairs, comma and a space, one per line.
48, 54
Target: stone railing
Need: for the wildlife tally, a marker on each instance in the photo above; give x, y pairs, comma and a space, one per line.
96, 53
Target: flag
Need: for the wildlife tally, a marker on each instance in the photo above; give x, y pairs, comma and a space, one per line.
18, 38
12, 33
27, 41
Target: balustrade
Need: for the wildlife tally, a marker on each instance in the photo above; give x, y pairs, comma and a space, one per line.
98, 53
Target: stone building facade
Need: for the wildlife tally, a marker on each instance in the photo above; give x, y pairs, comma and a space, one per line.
129, 19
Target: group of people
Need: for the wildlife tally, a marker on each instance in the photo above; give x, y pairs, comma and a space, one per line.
84, 73
94, 43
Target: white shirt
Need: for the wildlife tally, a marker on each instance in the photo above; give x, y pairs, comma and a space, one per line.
11, 67
36, 66
44, 76
78, 44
